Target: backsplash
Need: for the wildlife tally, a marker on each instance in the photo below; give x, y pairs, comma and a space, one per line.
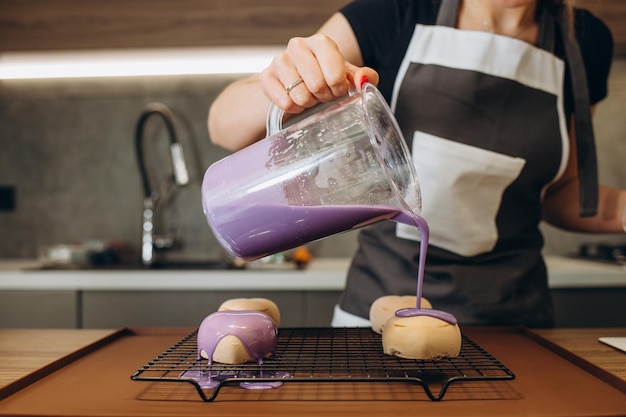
68, 148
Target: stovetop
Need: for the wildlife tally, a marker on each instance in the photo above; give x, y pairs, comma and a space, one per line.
603, 252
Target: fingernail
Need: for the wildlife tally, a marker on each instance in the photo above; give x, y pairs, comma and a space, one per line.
364, 80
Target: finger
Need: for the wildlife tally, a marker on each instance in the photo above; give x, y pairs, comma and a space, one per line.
285, 66
362, 75
301, 52
275, 90
331, 67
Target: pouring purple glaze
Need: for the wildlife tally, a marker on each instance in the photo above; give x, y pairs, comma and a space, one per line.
422, 225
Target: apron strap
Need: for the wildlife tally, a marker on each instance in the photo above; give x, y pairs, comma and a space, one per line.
546, 31
585, 139
447, 13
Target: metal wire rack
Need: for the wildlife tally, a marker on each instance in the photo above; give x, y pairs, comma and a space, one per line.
323, 355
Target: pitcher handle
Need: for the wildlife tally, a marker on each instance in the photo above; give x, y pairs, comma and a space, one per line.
274, 122
275, 114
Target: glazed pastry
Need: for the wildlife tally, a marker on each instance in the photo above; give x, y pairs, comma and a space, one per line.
233, 337
258, 304
421, 337
385, 307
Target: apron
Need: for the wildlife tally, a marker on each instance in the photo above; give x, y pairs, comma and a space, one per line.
488, 135
484, 127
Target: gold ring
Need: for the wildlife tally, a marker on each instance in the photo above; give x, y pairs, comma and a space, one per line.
293, 85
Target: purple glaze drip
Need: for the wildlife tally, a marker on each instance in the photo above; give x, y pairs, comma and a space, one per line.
206, 379
421, 224
256, 331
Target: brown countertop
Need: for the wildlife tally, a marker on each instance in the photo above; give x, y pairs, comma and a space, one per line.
25, 353
581, 346
96, 381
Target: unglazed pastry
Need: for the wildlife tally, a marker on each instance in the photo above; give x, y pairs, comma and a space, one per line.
233, 337
385, 307
421, 337
257, 304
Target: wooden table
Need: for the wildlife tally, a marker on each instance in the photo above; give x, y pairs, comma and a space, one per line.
95, 380
28, 354
581, 346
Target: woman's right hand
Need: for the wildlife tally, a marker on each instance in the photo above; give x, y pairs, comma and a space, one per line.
325, 73
328, 63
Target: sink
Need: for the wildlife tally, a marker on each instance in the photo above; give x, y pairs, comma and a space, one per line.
190, 265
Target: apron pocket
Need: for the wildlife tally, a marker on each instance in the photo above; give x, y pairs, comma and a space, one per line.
462, 187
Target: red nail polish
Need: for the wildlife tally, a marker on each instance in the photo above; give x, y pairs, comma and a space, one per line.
364, 80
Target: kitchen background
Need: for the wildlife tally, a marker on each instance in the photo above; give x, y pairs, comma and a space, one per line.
67, 146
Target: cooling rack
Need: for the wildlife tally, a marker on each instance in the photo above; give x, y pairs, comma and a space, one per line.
323, 355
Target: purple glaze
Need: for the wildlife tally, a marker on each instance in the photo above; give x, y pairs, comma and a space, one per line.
438, 314
256, 331
422, 225
207, 379
255, 230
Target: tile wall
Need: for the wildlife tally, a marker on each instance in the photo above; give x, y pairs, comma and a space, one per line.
68, 149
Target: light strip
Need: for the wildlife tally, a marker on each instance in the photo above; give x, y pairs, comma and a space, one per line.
140, 62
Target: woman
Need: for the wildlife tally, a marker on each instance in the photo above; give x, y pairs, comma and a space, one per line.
490, 96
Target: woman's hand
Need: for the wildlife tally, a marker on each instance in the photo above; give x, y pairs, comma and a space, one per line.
328, 64
325, 73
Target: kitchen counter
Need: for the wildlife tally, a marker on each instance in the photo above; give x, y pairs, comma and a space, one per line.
581, 346
322, 274
564, 272
96, 381
36, 298
27, 354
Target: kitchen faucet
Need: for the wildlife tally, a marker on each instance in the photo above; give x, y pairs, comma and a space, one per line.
152, 197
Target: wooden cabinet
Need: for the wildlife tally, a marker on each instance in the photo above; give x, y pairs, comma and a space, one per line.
91, 24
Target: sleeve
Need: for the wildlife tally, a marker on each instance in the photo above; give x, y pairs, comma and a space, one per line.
375, 24
596, 46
